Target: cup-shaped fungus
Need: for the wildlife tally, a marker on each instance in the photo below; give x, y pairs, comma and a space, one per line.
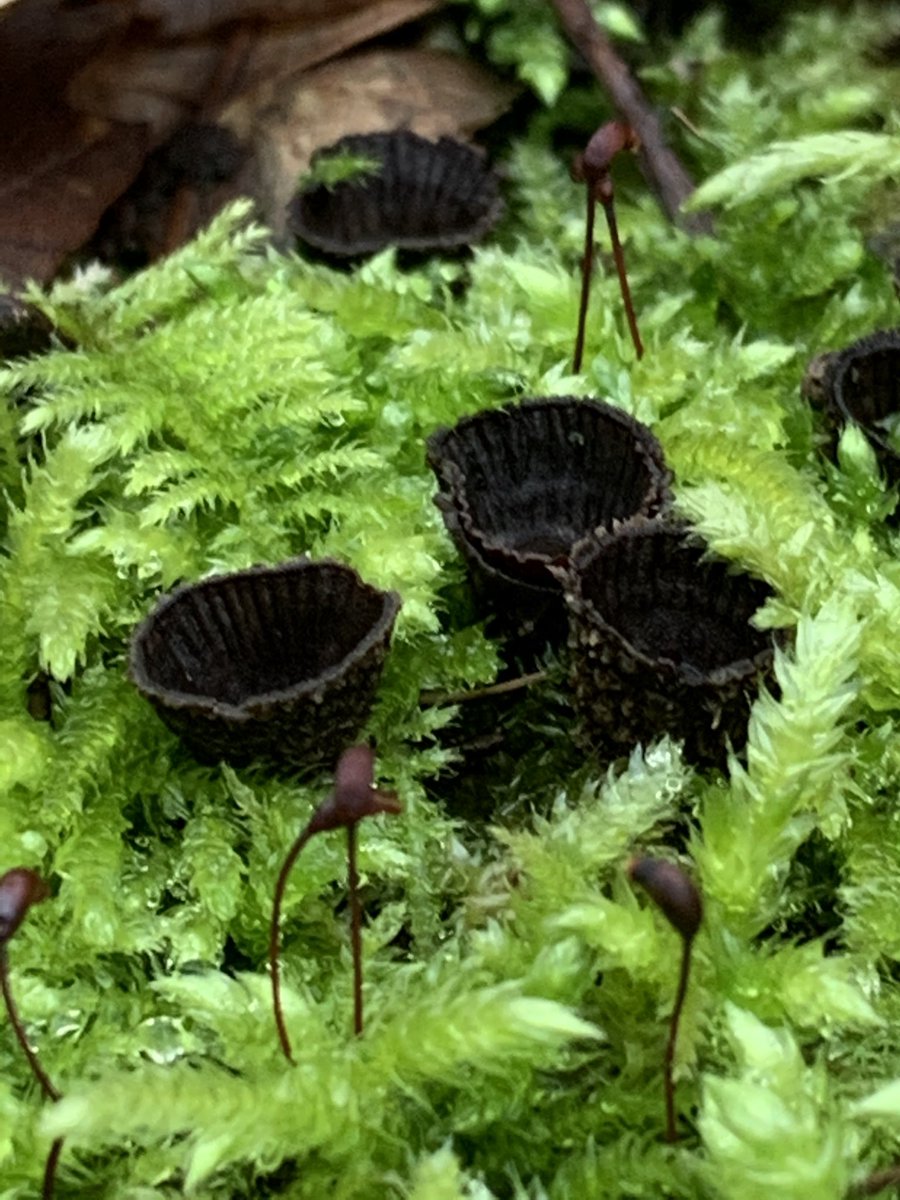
277, 662
862, 384
24, 329
661, 641
519, 485
407, 192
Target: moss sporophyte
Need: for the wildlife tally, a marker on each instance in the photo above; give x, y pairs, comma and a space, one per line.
678, 898
20, 888
353, 797
593, 169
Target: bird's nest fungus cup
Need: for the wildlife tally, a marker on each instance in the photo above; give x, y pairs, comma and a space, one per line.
520, 485
862, 384
278, 662
661, 641
408, 192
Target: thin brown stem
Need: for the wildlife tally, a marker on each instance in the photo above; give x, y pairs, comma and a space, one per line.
609, 209
275, 940
876, 1182
50, 1170
434, 699
668, 1063
587, 266
355, 930
19, 1030
660, 164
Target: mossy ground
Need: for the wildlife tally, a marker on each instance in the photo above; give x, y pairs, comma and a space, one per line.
234, 405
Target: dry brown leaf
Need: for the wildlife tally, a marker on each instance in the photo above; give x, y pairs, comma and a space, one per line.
432, 92
50, 207
58, 170
164, 83
87, 94
188, 18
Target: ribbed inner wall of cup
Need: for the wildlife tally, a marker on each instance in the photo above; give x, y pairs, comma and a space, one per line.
424, 195
355, 216
658, 595
241, 638
537, 480
869, 384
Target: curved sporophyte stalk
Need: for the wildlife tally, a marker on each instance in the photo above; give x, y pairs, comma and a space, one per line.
680, 902
21, 887
353, 797
592, 168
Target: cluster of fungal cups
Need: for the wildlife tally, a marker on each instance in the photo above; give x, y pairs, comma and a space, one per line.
561, 509
282, 663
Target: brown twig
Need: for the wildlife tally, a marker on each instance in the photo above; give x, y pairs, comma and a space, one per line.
49, 1184
876, 1182
660, 164
435, 699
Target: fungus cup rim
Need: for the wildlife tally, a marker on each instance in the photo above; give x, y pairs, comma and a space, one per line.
460, 235
453, 498
588, 548
838, 366
257, 705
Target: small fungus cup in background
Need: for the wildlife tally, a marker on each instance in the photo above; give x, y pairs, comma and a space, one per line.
519, 485
661, 641
275, 662
862, 384
407, 192
24, 329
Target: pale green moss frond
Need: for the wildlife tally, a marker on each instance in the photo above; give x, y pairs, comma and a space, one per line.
772, 1125
438, 1176
798, 759
595, 826
824, 156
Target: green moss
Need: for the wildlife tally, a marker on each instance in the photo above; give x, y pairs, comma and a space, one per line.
232, 405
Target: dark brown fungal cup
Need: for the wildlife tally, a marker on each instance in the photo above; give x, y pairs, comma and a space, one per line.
520, 485
862, 384
24, 329
418, 195
275, 662
661, 641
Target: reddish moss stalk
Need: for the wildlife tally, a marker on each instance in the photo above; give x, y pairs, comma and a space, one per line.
275, 941
680, 902
354, 797
593, 167
19, 889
